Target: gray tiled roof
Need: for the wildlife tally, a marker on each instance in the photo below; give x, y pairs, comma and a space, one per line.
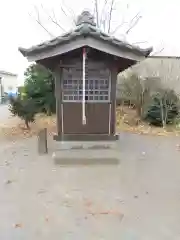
85, 27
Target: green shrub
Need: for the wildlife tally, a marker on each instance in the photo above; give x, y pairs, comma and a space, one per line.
36, 96
39, 86
163, 109
24, 109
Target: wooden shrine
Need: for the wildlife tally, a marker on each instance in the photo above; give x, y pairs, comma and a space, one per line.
85, 63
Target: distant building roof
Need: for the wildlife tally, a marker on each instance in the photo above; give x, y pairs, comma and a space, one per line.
8, 73
164, 56
166, 68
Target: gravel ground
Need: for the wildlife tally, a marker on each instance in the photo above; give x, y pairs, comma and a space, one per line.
6, 118
138, 199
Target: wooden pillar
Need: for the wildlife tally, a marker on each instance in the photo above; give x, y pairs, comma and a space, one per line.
58, 94
113, 98
42, 142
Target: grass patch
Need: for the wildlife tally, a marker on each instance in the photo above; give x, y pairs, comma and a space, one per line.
128, 121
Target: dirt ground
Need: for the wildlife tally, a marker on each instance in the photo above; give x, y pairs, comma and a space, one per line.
137, 199
13, 128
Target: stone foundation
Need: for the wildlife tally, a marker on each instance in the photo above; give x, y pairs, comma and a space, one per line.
84, 153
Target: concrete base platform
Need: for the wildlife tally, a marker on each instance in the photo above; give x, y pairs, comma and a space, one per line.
86, 153
86, 145
86, 157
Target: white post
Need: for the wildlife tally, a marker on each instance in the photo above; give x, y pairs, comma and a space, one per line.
84, 88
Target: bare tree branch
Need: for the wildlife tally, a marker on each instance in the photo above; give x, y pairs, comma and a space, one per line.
110, 15
38, 20
103, 13
118, 27
134, 18
134, 21
157, 52
103, 16
53, 19
96, 12
71, 12
66, 14
123, 22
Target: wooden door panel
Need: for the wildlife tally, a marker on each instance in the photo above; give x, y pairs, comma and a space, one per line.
72, 118
97, 118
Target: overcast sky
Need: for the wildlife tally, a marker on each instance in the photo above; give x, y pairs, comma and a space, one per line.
159, 26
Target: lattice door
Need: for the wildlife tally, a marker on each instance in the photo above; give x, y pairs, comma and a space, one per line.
97, 101
97, 87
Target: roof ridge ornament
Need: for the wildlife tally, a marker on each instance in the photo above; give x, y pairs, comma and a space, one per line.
85, 18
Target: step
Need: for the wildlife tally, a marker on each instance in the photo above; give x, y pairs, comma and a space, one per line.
86, 157
85, 145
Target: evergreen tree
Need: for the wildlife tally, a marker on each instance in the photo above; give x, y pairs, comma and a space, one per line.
163, 109
39, 86
37, 95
